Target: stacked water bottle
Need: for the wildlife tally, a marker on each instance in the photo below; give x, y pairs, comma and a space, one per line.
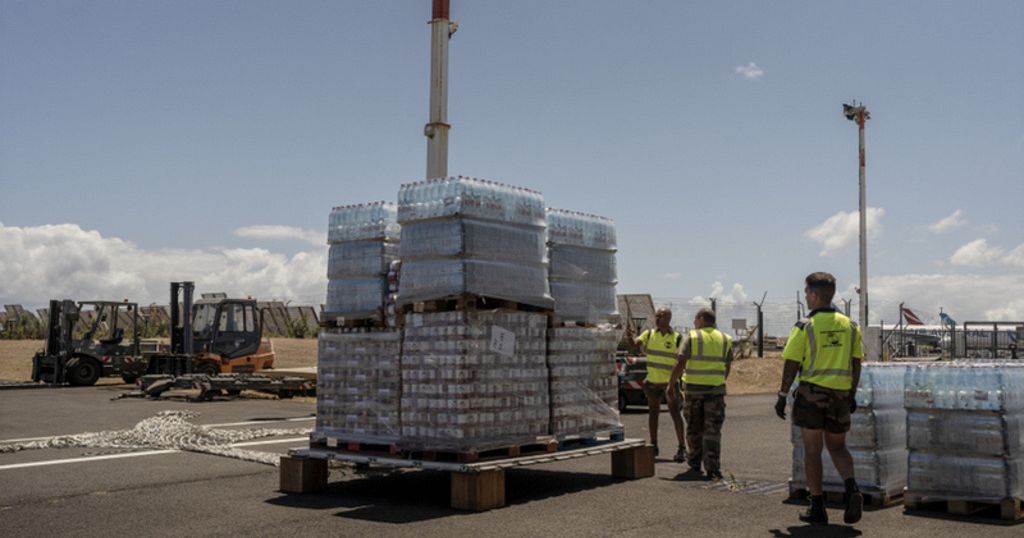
965, 431
464, 235
584, 383
583, 272
876, 440
363, 242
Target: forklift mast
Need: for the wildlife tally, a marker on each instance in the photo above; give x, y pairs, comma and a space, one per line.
181, 317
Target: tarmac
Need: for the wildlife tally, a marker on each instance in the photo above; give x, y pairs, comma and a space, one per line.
113, 492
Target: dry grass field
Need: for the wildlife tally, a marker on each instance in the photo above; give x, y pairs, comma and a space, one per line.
749, 376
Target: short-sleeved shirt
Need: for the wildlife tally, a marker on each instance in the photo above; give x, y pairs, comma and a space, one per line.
685, 352
834, 348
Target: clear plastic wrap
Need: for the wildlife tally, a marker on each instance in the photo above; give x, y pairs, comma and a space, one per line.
371, 257
475, 239
580, 229
473, 381
882, 471
584, 383
376, 220
970, 386
948, 476
881, 429
424, 280
578, 264
584, 301
358, 386
980, 433
877, 438
469, 197
964, 430
356, 297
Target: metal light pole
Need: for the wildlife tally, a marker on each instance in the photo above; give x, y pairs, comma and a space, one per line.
857, 113
437, 130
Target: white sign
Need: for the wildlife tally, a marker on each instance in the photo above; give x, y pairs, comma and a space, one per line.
503, 341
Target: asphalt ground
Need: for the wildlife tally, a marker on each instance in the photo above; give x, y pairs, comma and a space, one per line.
99, 492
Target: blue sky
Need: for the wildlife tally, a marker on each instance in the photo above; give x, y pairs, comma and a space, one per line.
159, 133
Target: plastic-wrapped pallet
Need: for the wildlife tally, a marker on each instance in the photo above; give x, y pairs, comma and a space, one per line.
584, 384
582, 275
964, 431
363, 242
877, 438
473, 380
465, 235
358, 385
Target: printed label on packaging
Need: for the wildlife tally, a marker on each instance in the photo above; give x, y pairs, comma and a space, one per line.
503, 341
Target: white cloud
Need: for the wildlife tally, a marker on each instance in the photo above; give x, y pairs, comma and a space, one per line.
1015, 258
735, 295
65, 261
271, 231
672, 276
977, 253
750, 71
964, 297
843, 229
952, 221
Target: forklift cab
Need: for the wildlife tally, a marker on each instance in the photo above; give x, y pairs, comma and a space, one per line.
105, 325
227, 327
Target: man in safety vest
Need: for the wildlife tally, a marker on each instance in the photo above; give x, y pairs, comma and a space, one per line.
705, 360
661, 345
825, 349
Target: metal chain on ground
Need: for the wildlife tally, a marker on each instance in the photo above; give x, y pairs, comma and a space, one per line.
173, 430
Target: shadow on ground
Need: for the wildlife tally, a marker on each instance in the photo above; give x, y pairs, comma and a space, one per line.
816, 531
412, 496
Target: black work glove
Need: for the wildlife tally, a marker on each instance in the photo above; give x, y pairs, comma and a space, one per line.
853, 404
780, 407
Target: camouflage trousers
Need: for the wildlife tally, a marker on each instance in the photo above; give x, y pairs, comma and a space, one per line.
704, 418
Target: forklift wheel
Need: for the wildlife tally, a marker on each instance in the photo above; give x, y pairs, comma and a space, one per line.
82, 371
207, 368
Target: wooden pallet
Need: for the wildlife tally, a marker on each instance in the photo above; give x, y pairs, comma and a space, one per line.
469, 301
1006, 512
342, 445
567, 442
872, 499
472, 456
340, 322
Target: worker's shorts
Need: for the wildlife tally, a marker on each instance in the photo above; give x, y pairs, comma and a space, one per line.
819, 408
658, 392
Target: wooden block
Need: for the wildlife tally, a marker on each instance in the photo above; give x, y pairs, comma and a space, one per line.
478, 491
303, 475
1011, 509
637, 462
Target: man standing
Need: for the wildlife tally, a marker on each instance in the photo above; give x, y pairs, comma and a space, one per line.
825, 349
661, 345
704, 362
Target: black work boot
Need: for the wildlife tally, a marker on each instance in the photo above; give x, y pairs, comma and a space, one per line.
854, 502
815, 514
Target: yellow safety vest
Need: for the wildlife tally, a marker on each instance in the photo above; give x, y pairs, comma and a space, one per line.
825, 346
709, 349
661, 351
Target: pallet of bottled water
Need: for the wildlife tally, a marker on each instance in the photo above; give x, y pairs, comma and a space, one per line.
964, 431
462, 235
363, 241
358, 386
474, 380
582, 275
876, 440
584, 383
